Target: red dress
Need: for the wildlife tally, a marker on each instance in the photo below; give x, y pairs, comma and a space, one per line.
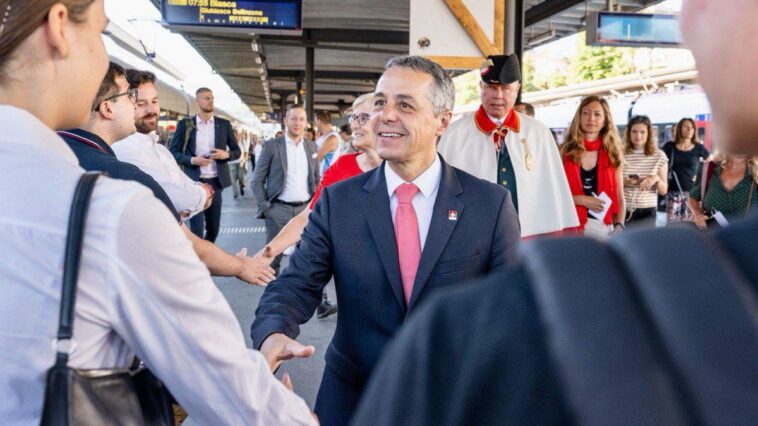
345, 168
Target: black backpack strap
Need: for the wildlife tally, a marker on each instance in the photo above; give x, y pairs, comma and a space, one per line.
72, 261
606, 363
705, 317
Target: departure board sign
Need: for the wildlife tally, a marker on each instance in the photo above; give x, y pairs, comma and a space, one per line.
258, 16
633, 30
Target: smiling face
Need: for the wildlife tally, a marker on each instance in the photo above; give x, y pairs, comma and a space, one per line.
498, 99
123, 111
403, 120
363, 135
592, 120
148, 109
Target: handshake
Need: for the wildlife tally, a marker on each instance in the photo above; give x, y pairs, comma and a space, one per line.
256, 270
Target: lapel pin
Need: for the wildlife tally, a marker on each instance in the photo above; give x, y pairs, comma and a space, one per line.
452, 215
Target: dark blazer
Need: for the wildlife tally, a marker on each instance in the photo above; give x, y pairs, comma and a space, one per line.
350, 235
224, 140
511, 360
271, 172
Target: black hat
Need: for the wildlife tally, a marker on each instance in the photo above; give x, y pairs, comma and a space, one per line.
500, 69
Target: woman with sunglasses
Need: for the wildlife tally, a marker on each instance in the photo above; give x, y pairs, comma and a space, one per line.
645, 171
345, 167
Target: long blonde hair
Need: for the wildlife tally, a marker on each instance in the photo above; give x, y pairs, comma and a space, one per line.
752, 164
573, 145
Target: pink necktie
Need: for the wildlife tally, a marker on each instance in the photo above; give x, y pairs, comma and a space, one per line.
406, 234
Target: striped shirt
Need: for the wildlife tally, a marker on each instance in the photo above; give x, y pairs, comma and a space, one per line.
637, 163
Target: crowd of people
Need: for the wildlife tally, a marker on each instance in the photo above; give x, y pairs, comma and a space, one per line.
420, 222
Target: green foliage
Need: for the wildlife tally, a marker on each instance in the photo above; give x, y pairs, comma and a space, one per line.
467, 88
592, 63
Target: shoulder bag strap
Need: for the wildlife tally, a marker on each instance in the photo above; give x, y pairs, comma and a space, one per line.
72, 261
671, 168
705, 179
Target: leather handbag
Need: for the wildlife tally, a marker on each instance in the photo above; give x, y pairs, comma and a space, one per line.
127, 396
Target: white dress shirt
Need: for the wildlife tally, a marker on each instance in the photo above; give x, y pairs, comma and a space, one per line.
143, 151
205, 141
141, 290
296, 182
428, 184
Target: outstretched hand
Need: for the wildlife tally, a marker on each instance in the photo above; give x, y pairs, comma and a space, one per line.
255, 271
266, 254
278, 348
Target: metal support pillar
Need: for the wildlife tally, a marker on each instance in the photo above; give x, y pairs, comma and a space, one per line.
283, 106
518, 37
298, 95
309, 81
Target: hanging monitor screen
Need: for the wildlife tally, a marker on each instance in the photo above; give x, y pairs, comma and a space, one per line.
633, 29
259, 16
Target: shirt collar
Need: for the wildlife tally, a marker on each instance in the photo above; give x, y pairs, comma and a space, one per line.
427, 182
200, 120
290, 141
90, 137
21, 127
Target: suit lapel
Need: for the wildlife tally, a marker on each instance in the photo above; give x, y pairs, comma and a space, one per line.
309, 152
376, 206
218, 142
283, 157
191, 146
440, 228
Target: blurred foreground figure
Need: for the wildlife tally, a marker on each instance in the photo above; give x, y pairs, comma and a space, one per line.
649, 334
141, 289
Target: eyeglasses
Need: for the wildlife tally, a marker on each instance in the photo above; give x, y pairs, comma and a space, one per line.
132, 93
361, 118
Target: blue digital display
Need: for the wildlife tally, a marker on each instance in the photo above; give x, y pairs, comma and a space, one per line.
633, 29
250, 15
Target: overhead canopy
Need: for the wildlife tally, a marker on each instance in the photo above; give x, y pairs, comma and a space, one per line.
353, 39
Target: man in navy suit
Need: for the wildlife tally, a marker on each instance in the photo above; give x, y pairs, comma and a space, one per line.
203, 152
390, 237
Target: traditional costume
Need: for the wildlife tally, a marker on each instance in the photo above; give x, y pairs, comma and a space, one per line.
518, 153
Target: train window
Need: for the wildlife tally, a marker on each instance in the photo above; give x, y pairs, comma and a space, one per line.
701, 133
668, 134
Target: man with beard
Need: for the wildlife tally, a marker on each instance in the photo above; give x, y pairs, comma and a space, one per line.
659, 328
94, 146
143, 150
502, 146
203, 146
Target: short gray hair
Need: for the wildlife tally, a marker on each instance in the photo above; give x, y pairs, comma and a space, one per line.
443, 91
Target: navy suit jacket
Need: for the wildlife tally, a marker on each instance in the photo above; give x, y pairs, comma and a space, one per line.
350, 235
224, 135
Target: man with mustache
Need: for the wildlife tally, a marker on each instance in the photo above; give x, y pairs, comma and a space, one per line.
390, 237
514, 150
661, 328
143, 150
139, 157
